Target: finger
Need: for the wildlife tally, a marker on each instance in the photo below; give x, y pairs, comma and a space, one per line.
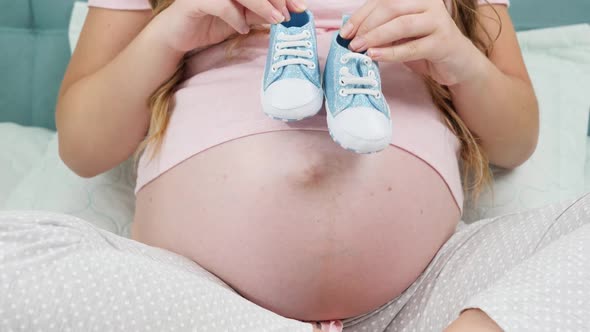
388, 12
231, 13
254, 19
264, 9
349, 29
413, 50
297, 6
281, 5
406, 26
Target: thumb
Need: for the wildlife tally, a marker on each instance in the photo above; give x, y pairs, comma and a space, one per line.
254, 19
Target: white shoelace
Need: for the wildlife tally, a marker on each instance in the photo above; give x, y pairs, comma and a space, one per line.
287, 47
346, 78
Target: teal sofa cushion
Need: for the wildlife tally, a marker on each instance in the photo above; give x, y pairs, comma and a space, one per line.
34, 49
34, 52
536, 14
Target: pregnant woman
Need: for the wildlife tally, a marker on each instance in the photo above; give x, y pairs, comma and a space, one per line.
282, 227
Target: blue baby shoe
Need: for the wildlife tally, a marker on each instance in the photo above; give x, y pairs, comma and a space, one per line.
291, 88
358, 115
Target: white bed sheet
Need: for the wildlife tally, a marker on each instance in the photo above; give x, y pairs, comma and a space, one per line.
107, 201
21, 149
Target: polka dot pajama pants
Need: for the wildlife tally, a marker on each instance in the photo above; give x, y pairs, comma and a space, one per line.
529, 271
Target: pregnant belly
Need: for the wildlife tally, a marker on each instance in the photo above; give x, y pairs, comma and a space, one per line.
300, 226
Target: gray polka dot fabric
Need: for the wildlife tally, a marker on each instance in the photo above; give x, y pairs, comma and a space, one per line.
529, 271
59, 273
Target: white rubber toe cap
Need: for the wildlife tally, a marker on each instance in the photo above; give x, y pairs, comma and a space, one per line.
292, 99
361, 129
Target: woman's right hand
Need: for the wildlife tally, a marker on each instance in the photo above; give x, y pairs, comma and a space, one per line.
195, 24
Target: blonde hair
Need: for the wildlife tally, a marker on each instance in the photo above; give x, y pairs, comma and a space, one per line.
474, 162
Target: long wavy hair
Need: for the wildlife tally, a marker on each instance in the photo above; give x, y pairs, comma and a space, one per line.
475, 169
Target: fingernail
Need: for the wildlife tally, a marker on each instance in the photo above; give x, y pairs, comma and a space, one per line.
244, 30
374, 54
277, 17
286, 14
346, 29
358, 44
300, 5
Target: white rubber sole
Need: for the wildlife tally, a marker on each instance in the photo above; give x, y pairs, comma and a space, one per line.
295, 114
355, 144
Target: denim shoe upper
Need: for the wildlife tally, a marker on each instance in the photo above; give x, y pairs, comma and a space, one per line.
352, 80
293, 51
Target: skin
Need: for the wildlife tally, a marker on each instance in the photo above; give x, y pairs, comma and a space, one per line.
474, 320
105, 79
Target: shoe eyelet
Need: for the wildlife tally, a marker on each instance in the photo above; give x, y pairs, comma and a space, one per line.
342, 93
367, 62
310, 53
276, 57
312, 66
273, 69
277, 47
342, 82
343, 60
309, 44
379, 95
307, 33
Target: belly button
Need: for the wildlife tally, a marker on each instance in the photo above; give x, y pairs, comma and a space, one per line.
311, 175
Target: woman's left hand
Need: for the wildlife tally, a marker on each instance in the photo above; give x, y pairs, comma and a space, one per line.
419, 33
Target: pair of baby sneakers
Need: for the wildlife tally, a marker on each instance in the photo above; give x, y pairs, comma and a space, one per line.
358, 115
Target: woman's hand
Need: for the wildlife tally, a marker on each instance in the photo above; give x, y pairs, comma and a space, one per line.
201, 23
419, 33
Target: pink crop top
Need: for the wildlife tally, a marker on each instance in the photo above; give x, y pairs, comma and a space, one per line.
226, 94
